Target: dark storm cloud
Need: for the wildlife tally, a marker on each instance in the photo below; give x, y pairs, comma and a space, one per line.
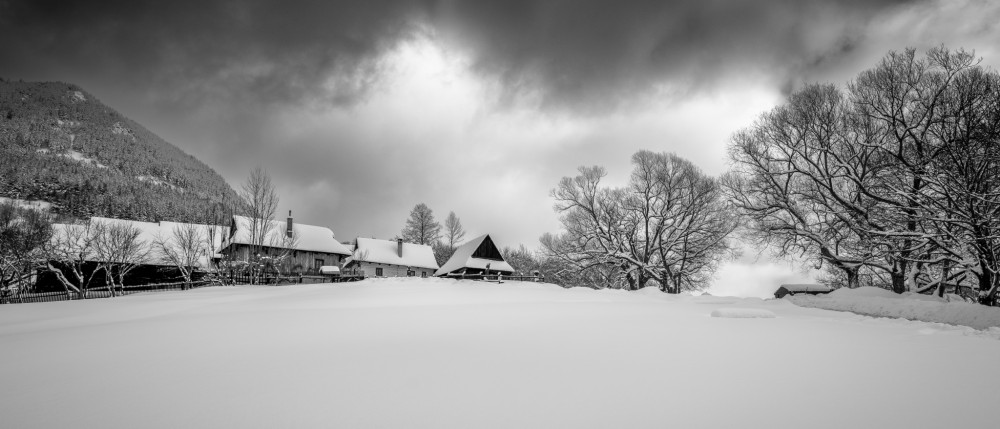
585, 55
599, 54
245, 50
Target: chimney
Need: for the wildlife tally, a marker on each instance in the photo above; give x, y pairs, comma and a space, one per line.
288, 227
399, 247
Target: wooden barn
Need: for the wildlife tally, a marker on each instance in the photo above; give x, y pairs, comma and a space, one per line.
477, 256
309, 247
385, 258
803, 288
154, 266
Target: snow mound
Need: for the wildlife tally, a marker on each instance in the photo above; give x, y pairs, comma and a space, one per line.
744, 313
907, 306
865, 291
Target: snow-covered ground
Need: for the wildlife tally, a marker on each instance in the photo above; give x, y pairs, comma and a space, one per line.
440, 353
877, 302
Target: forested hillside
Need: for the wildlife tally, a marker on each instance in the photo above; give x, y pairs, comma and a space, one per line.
59, 144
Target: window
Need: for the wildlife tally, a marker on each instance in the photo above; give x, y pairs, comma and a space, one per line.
410, 273
378, 272
423, 274
319, 263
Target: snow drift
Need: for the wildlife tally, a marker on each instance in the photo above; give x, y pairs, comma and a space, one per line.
439, 353
872, 301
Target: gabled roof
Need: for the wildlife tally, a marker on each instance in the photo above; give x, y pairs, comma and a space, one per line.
470, 255
310, 238
151, 232
387, 252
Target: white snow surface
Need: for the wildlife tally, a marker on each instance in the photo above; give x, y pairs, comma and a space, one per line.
438, 353
744, 313
872, 301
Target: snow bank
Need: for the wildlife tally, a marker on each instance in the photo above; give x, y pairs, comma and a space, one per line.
864, 291
441, 353
871, 301
743, 313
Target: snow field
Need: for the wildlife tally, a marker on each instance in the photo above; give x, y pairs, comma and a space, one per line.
440, 353
744, 313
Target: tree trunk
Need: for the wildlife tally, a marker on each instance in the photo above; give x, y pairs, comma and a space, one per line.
945, 272
898, 276
69, 286
987, 287
853, 280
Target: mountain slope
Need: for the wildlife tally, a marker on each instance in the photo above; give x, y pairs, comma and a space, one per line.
59, 144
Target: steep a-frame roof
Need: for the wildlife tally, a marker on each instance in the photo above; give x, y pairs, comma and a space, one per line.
476, 254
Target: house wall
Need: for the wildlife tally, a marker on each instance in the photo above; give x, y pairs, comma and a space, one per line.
389, 270
301, 261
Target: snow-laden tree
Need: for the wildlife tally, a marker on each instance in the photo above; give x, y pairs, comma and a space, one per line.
894, 177
800, 182
421, 228
69, 251
669, 225
23, 235
521, 259
184, 248
118, 250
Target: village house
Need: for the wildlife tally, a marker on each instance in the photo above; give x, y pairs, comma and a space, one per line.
385, 258
308, 248
477, 256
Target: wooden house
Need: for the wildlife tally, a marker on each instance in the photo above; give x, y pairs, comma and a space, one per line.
308, 247
803, 288
385, 258
477, 256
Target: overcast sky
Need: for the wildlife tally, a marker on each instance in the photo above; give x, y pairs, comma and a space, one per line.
361, 109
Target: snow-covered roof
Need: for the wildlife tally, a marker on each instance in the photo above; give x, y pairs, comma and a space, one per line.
310, 238
463, 258
806, 287
387, 252
152, 232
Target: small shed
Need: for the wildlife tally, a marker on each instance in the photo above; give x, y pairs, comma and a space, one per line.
329, 270
809, 288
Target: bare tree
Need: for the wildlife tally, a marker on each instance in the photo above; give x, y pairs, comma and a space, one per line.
184, 248
896, 178
521, 259
23, 235
421, 228
454, 232
799, 184
259, 201
668, 225
118, 250
359, 255
281, 249
70, 250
